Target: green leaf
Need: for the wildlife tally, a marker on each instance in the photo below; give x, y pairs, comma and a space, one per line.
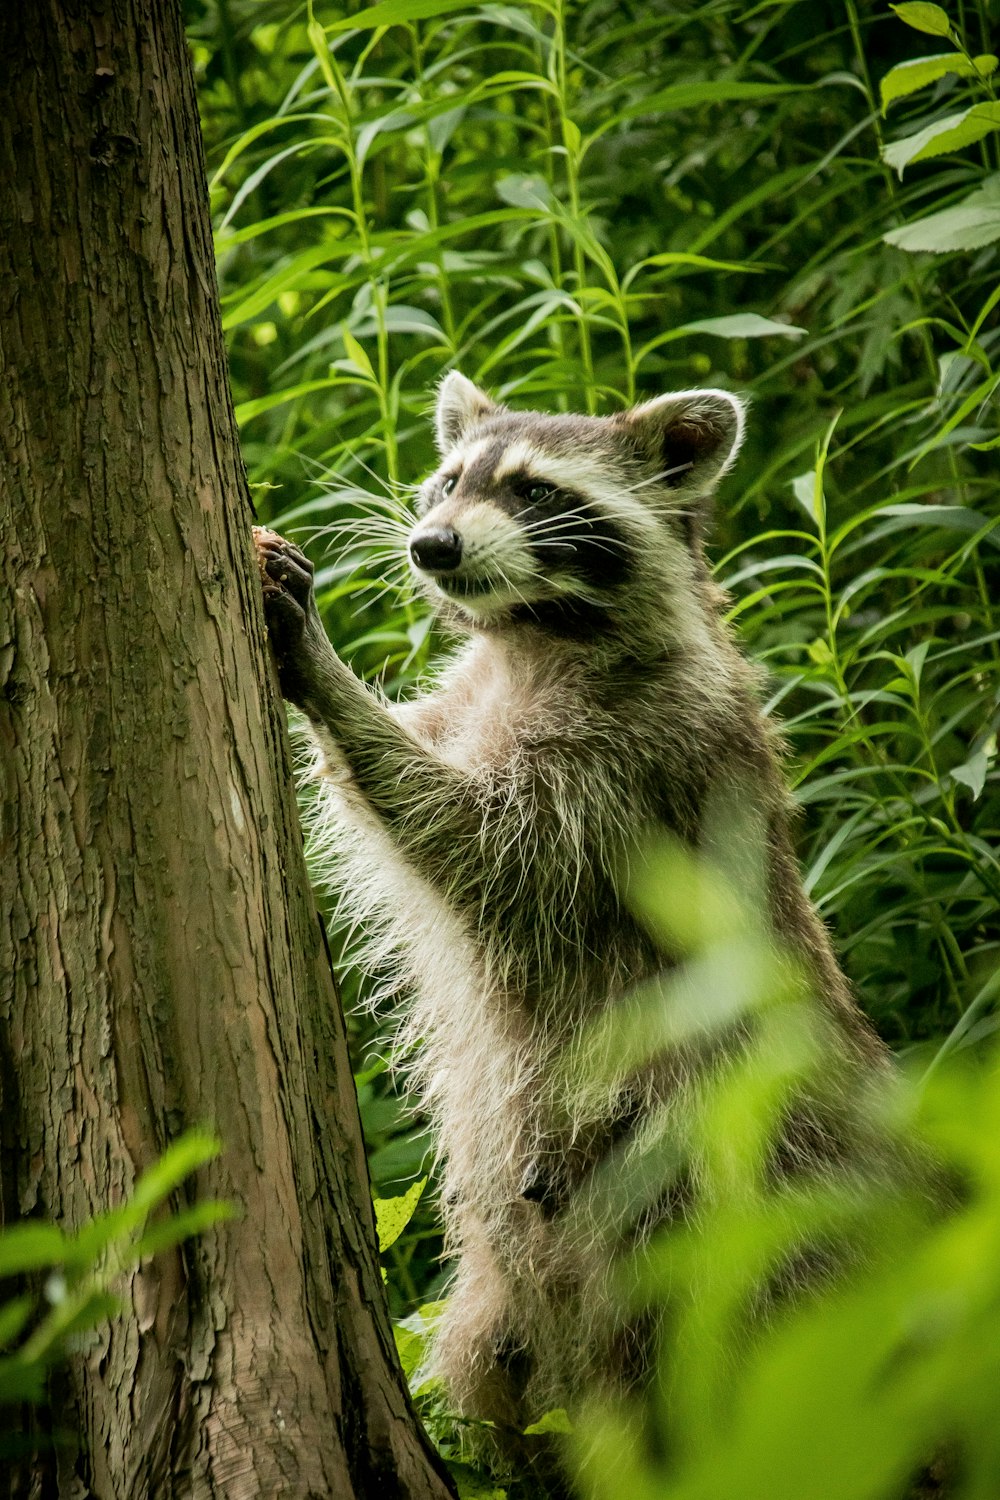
571, 136
804, 490
685, 258
556, 1420
968, 226
915, 658
289, 273
358, 358
392, 12
247, 410
744, 326
91, 1309
393, 1214
410, 1347
182, 1157
396, 119
719, 91
254, 133
413, 1334
916, 73
13, 1317
471, 1485
183, 1225
256, 177
28, 1247
229, 239
950, 517
924, 17
399, 317
973, 773
527, 191
950, 134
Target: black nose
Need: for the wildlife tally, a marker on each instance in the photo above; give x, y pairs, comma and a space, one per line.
437, 550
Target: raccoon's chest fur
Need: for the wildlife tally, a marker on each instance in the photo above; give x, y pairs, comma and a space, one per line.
498, 976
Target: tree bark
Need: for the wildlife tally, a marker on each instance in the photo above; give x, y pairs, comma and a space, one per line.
162, 961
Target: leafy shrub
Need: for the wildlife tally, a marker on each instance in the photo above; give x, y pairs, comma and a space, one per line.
853, 1388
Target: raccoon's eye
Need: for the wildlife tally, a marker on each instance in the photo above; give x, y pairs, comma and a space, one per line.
449, 485
536, 493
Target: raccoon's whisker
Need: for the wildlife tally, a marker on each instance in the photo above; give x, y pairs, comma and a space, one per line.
547, 523
374, 589
525, 509
389, 486
382, 552
316, 466
560, 527
363, 533
562, 538
386, 506
655, 478
512, 587
397, 585
589, 542
383, 564
372, 535
376, 547
594, 512
372, 512
384, 524
323, 475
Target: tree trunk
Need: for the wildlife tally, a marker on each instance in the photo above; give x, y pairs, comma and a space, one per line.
162, 961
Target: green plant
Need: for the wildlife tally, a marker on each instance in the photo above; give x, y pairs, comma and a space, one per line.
862, 1377
70, 1277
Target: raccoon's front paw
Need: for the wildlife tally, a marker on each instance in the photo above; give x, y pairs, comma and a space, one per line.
286, 576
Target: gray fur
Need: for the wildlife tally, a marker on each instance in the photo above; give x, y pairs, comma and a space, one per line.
476, 836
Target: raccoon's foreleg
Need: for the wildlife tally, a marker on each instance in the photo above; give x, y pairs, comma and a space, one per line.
427, 805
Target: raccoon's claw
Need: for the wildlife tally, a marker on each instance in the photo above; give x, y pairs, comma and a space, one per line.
287, 580
283, 567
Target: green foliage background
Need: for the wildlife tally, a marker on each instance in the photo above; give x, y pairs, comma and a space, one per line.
581, 203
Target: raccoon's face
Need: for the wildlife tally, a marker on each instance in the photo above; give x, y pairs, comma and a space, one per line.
554, 518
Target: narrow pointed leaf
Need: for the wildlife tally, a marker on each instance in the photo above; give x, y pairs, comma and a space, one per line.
744, 326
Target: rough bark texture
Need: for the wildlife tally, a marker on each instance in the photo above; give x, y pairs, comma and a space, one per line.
161, 961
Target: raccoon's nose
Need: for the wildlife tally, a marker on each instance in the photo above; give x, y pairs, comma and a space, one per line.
437, 550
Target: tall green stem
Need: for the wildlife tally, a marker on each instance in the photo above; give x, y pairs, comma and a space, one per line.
570, 139
336, 82
432, 174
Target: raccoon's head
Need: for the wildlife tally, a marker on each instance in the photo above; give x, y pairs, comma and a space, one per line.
568, 522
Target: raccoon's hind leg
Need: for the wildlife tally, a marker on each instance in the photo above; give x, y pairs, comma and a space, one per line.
480, 1354
475, 1350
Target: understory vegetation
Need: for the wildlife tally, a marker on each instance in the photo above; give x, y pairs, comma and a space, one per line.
582, 203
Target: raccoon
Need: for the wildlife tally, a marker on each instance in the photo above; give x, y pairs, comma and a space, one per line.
479, 832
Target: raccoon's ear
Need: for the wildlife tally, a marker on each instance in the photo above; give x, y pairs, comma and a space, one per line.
692, 437
460, 404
